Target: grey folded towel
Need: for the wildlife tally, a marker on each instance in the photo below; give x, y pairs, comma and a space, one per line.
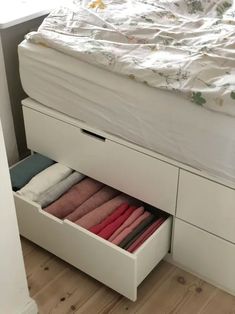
137, 231
53, 193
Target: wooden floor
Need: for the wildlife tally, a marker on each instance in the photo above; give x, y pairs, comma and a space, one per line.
59, 288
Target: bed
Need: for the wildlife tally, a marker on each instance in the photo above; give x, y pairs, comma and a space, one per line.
155, 119
162, 132
62, 67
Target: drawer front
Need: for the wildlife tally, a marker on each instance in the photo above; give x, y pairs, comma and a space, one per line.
205, 255
207, 204
106, 262
125, 169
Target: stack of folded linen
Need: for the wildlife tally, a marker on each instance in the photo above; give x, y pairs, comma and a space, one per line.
104, 211
128, 226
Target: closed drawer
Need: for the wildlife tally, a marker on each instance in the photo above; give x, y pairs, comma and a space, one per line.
205, 255
106, 262
123, 168
206, 204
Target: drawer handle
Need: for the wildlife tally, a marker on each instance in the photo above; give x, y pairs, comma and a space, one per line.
89, 133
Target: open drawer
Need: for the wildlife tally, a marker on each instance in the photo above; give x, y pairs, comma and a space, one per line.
100, 156
106, 262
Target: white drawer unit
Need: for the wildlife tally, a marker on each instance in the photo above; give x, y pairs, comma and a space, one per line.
204, 254
203, 233
137, 174
106, 262
207, 204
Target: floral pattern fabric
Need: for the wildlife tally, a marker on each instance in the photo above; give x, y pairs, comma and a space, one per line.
184, 46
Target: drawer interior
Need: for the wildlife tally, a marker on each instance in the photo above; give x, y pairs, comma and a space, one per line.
103, 260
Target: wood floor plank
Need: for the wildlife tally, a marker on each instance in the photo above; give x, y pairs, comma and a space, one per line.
221, 303
149, 286
178, 290
200, 296
71, 281
44, 274
59, 288
27, 246
34, 259
82, 293
101, 302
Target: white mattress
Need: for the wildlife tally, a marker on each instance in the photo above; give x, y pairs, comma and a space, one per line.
158, 120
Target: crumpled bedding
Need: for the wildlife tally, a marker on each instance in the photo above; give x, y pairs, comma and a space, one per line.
185, 46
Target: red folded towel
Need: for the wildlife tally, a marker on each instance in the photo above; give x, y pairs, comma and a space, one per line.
75, 196
117, 213
145, 235
97, 199
112, 227
137, 213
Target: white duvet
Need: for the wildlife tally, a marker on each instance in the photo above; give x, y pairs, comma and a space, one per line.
186, 46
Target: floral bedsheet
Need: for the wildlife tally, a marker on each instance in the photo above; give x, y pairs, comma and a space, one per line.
185, 46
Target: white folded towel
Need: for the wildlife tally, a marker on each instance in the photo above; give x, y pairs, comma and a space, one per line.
44, 180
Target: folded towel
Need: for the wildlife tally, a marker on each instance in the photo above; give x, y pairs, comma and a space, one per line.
110, 229
100, 213
138, 212
75, 196
22, 173
44, 180
140, 239
53, 193
99, 198
126, 231
115, 214
125, 243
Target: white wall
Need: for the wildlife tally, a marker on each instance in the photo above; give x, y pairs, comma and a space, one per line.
6, 114
14, 296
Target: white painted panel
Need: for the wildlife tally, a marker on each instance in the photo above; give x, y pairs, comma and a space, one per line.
207, 204
14, 12
102, 260
152, 250
204, 254
6, 114
128, 170
14, 290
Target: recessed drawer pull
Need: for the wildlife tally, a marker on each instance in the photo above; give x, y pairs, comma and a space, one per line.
99, 137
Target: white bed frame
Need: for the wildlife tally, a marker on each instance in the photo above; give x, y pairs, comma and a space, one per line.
202, 207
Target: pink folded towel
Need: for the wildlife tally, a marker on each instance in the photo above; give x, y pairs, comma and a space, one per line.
117, 213
75, 196
109, 229
97, 199
145, 235
138, 212
119, 238
100, 213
